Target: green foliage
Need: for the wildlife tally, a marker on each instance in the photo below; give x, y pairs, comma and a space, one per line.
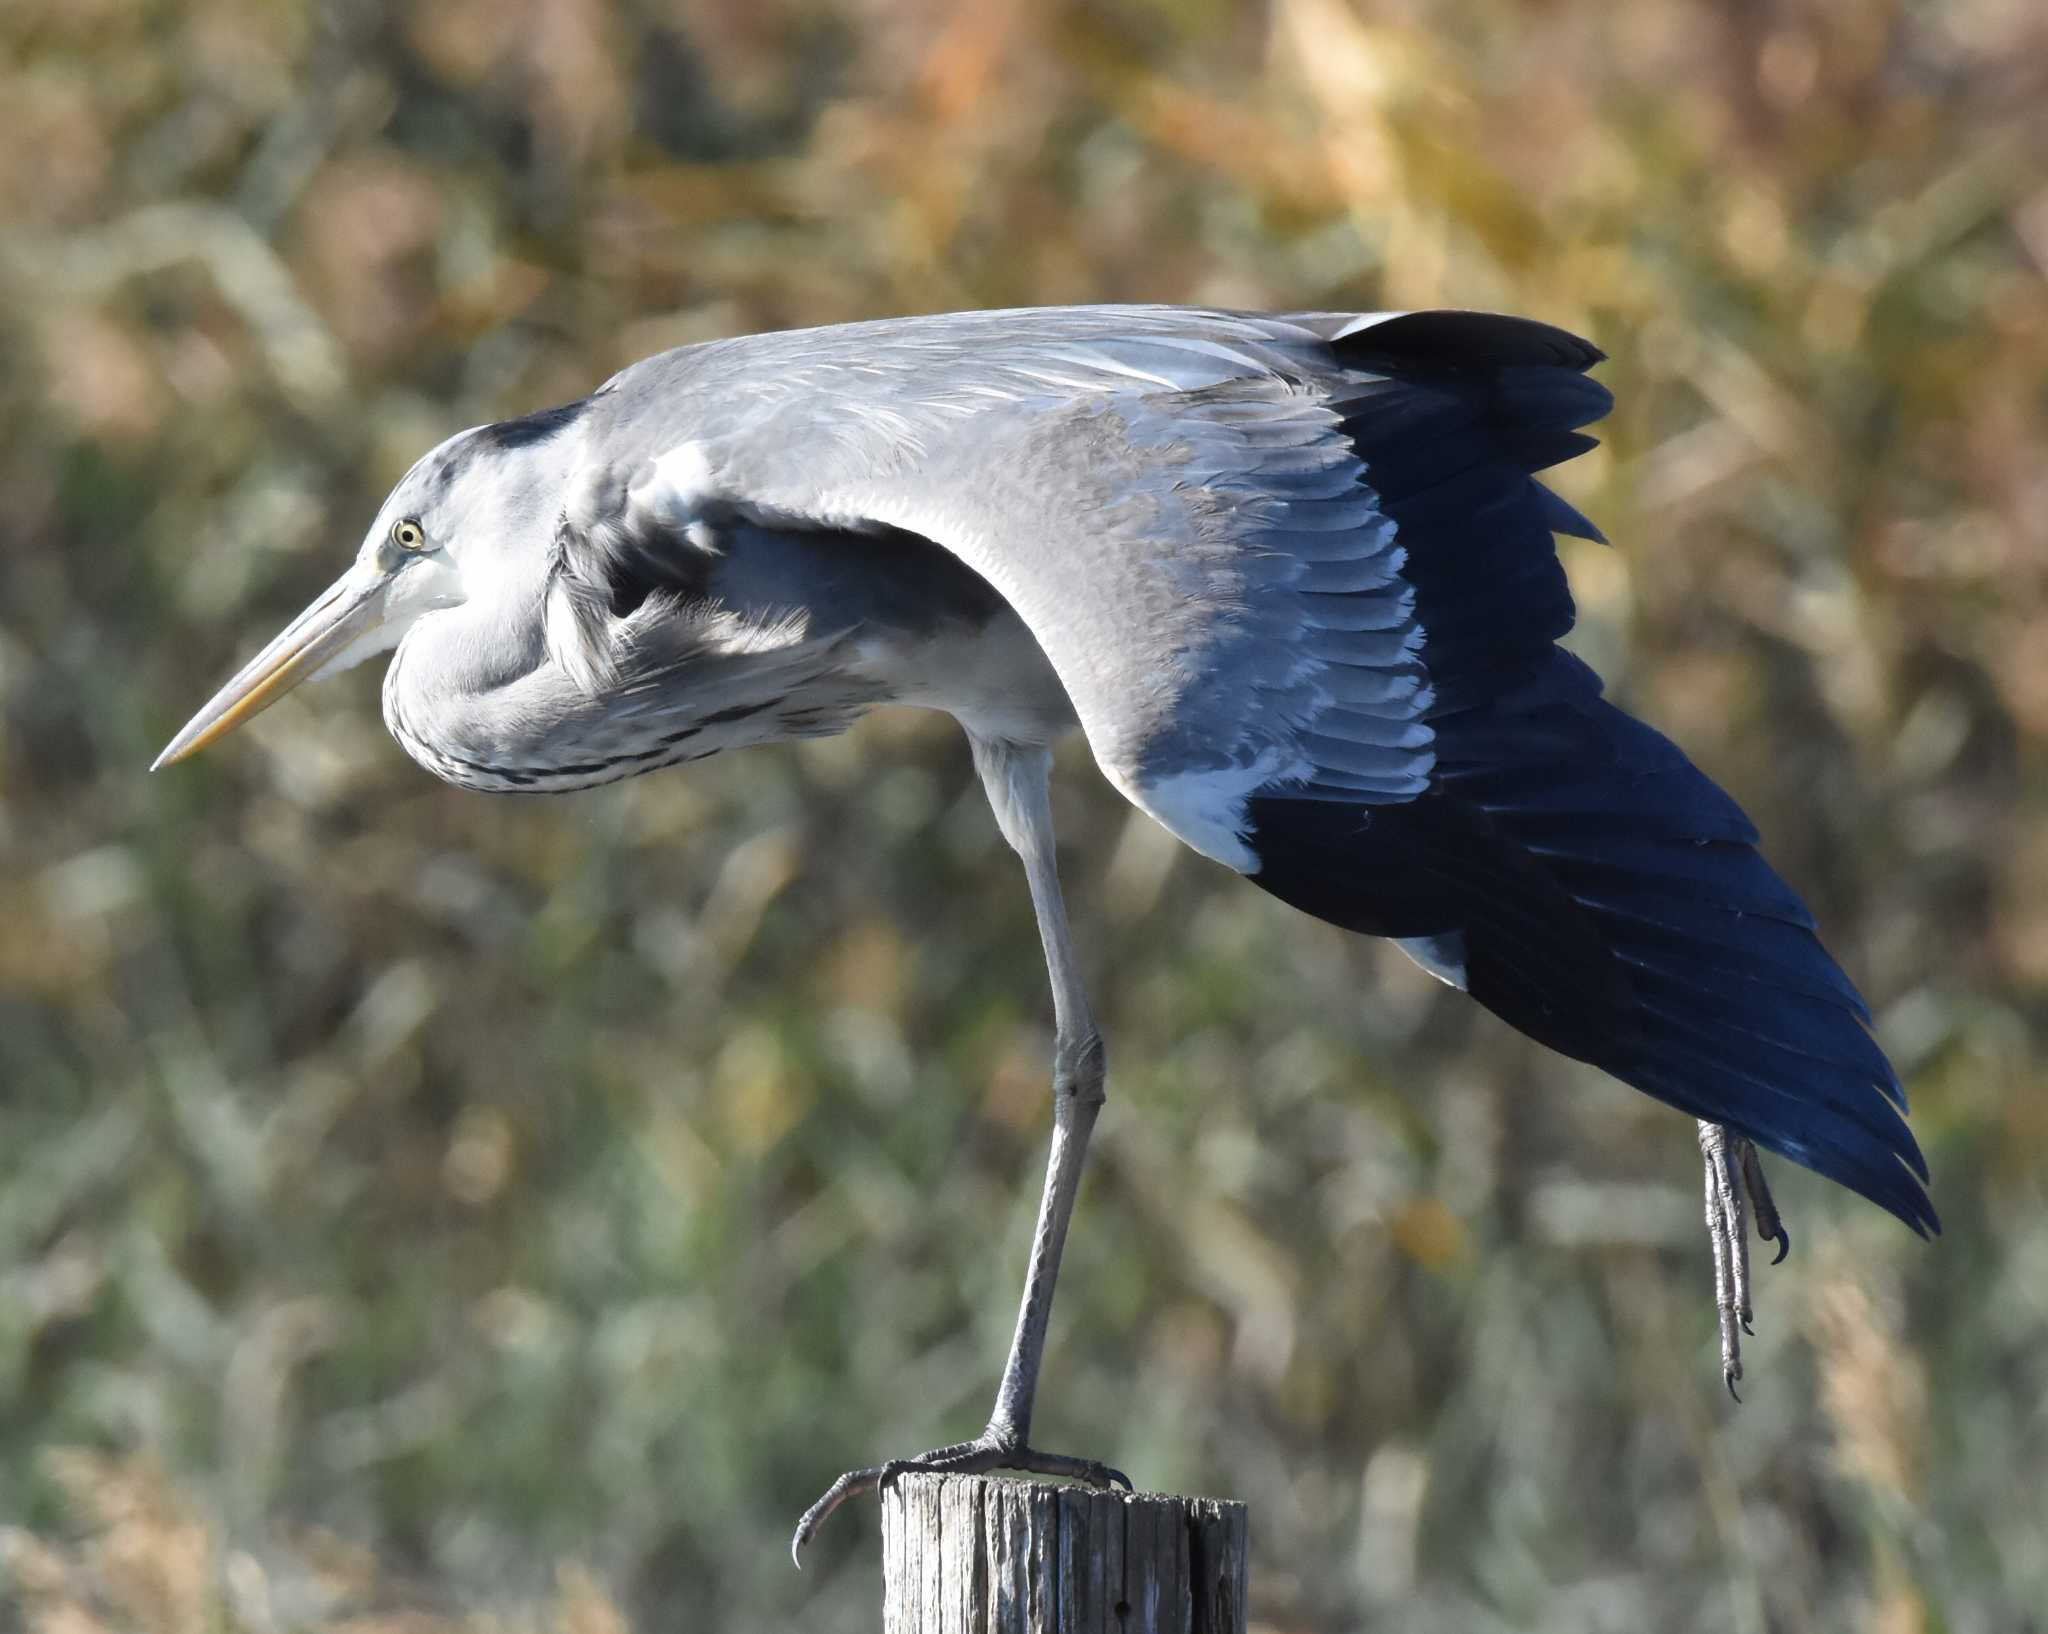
421, 1209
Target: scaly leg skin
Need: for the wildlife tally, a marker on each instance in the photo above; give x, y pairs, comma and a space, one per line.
1016, 780
1733, 1168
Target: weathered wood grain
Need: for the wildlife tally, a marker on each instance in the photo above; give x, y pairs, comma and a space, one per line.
982, 1554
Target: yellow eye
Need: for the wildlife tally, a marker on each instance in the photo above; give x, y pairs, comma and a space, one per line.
408, 535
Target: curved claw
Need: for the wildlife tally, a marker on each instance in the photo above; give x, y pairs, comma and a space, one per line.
850, 1485
1728, 1377
1770, 1225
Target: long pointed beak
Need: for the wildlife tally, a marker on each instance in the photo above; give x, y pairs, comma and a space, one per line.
351, 606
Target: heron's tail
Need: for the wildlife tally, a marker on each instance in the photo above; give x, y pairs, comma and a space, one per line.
1576, 874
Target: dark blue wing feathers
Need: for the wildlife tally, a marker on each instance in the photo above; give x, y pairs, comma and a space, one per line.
1607, 897
1562, 518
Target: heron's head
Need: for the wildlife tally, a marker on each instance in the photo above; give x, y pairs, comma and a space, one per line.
473, 519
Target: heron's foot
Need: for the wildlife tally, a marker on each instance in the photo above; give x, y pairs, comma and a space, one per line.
1733, 1171
994, 1448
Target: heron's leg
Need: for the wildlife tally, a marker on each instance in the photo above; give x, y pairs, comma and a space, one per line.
1733, 1168
1017, 780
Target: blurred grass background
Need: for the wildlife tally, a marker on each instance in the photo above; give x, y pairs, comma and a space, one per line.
420, 1211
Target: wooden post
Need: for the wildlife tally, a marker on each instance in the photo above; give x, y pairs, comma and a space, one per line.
985, 1554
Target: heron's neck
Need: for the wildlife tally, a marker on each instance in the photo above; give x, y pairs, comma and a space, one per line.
480, 700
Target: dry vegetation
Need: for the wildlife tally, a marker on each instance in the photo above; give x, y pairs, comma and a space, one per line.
420, 1212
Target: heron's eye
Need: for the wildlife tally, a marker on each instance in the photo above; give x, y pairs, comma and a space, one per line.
408, 535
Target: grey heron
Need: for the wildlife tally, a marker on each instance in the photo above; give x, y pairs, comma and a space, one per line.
1292, 576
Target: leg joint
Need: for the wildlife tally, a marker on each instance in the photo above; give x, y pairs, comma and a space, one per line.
1079, 1064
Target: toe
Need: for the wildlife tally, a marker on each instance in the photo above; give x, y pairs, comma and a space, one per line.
851, 1484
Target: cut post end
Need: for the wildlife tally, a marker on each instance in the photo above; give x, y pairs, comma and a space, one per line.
1011, 1556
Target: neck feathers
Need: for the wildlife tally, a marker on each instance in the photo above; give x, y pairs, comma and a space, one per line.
604, 699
